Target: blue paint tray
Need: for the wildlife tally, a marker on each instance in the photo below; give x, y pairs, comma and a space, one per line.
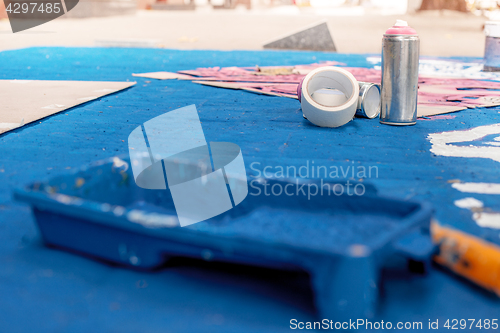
343, 241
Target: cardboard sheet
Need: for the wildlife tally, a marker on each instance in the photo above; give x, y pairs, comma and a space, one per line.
424, 110
437, 95
164, 76
25, 101
287, 90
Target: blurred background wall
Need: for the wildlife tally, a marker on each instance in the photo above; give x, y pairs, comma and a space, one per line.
96, 8
446, 27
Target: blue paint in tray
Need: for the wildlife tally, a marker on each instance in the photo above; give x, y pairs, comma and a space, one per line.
342, 241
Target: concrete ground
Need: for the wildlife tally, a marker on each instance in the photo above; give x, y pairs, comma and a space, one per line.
442, 33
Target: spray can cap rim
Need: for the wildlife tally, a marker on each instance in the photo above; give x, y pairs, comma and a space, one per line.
401, 28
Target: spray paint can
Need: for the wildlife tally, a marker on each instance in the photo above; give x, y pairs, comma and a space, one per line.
400, 52
492, 46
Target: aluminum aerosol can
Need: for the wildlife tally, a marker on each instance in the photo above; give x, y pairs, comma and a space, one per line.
400, 52
492, 46
369, 100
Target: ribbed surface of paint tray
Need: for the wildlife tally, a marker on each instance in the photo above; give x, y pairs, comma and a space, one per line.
342, 241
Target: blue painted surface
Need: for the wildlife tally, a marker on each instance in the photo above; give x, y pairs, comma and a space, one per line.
49, 290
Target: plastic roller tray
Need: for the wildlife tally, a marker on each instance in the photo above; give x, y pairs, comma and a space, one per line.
343, 242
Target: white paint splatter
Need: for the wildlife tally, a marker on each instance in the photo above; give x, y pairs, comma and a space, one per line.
441, 143
469, 203
482, 219
492, 143
120, 164
444, 68
374, 60
152, 220
487, 220
484, 188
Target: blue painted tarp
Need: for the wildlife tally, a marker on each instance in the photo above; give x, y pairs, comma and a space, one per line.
44, 289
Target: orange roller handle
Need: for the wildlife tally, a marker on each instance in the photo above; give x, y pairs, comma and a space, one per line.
468, 256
